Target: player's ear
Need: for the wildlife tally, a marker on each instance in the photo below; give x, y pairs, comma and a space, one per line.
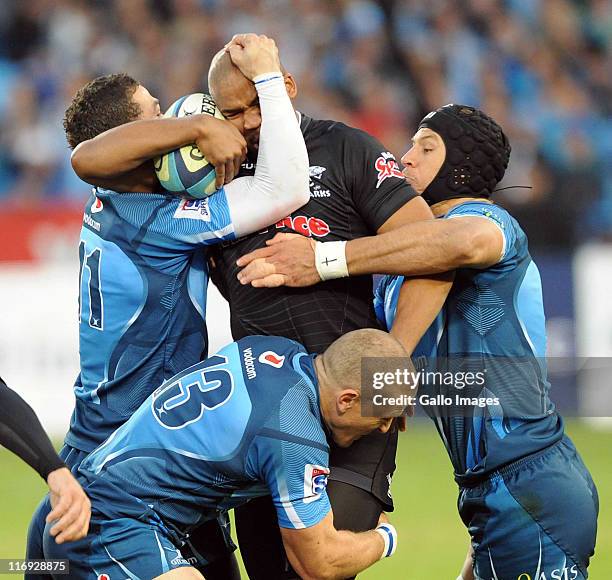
290, 85
347, 399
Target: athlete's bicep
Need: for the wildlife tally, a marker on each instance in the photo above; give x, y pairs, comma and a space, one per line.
303, 545
486, 237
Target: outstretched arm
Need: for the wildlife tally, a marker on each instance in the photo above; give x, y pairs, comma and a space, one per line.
428, 248
418, 249
22, 433
295, 469
120, 158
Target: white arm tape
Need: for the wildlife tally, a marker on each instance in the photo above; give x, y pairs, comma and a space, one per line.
389, 535
280, 183
330, 260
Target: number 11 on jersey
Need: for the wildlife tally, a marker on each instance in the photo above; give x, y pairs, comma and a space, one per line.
90, 275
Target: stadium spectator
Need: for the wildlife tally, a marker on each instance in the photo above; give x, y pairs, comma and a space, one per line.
376, 65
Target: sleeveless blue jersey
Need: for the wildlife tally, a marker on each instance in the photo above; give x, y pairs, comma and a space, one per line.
493, 323
241, 424
142, 300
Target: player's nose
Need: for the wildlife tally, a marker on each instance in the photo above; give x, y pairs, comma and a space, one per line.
408, 159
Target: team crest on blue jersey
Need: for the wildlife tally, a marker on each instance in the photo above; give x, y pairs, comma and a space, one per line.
193, 209
315, 481
272, 359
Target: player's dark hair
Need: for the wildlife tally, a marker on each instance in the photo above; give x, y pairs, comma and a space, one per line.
100, 105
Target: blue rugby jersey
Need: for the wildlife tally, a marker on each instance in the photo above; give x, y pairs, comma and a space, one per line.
241, 424
492, 322
142, 300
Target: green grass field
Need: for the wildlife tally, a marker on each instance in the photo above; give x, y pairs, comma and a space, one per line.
433, 541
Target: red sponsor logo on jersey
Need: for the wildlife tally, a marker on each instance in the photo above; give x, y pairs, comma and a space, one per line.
387, 166
271, 358
97, 206
104, 577
307, 226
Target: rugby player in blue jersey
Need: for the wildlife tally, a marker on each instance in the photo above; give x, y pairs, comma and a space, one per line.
525, 495
249, 421
143, 274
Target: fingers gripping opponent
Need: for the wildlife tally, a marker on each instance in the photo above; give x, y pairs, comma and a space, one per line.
288, 260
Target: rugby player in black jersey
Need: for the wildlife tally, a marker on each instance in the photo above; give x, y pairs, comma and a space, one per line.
356, 189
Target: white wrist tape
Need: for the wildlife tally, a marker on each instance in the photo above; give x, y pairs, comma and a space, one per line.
330, 260
389, 535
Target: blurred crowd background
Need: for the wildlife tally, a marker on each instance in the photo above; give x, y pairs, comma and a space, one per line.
540, 67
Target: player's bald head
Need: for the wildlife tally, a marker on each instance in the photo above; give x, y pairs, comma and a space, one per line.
342, 360
222, 70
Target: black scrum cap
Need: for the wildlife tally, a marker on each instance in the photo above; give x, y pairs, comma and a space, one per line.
477, 153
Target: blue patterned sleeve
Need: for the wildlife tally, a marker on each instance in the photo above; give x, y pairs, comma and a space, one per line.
178, 222
200, 221
495, 214
295, 471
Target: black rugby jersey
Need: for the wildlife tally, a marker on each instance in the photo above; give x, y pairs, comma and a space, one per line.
355, 186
